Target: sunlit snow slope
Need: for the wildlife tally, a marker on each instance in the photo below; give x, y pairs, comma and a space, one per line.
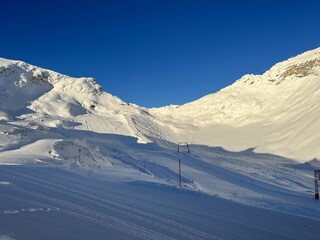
51, 99
276, 112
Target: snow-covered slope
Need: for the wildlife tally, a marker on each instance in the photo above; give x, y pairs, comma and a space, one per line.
50, 93
53, 119
50, 203
277, 112
51, 99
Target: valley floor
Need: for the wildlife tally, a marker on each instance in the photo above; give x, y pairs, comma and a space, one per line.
41, 202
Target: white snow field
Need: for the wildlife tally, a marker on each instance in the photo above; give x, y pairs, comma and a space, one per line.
79, 163
276, 112
50, 203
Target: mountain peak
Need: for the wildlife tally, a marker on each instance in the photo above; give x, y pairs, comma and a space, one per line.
27, 87
300, 66
5, 62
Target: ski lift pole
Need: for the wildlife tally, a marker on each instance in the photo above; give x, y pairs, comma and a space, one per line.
316, 185
180, 173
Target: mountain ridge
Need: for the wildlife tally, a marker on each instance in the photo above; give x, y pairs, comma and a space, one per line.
257, 111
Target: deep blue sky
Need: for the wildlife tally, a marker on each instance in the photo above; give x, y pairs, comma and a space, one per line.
158, 52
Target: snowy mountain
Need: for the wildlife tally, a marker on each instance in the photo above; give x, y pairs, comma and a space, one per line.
87, 158
51, 99
276, 112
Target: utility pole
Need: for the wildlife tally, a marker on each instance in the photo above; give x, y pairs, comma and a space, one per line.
79, 155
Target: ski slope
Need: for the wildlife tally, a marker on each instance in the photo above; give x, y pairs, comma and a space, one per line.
261, 180
49, 203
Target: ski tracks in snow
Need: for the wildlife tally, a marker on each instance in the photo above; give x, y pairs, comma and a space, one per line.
132, 211
123, 208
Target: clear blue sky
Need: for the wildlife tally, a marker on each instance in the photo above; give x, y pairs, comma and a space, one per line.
158, 52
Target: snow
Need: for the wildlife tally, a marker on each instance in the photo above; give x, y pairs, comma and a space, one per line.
254, 179
57, 202
4, 183
72, 154
276, 112
5, 237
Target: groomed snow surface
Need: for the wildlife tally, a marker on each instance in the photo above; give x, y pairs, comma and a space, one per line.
79, 184
50, 203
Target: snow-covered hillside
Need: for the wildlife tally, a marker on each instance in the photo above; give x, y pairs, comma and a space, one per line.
74, 139
276, 112
50, 99
51, 203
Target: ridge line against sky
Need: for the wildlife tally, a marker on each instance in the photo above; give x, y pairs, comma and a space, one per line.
157, 53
